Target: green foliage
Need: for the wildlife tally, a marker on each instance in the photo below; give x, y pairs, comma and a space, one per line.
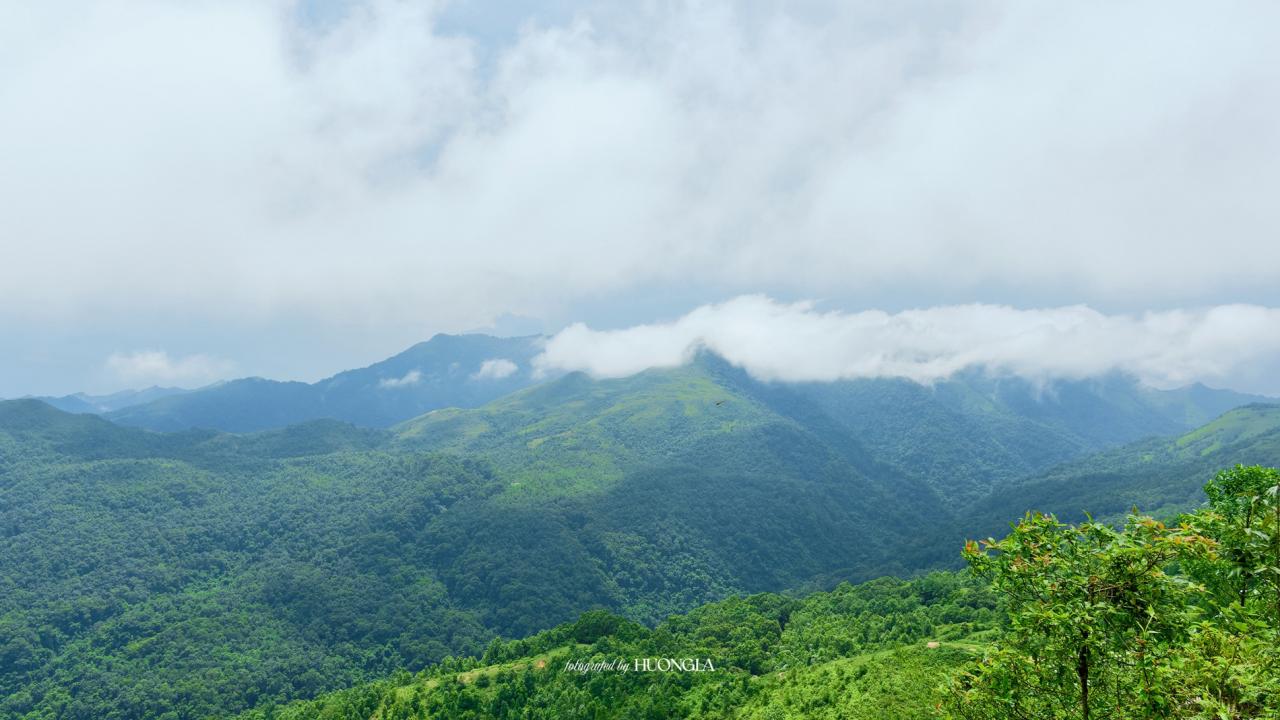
194, 574
1244, 519
685, 490
1091, 608
137, 585
774, 656
975, 431
1149, 622
141, 571
1164, 476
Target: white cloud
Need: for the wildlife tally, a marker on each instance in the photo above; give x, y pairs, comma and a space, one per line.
155, 367
413, 377
495, 369
1107, 153
1121, 155
796, 342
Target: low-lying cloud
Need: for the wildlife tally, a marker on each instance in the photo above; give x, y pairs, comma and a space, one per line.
413, 377
156, 367
797, 342
495, 369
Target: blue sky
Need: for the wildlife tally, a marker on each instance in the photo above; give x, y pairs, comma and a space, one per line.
201, 190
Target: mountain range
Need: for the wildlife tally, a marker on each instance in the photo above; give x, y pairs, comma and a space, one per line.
100, 404
445, 371
466, 371
149, 558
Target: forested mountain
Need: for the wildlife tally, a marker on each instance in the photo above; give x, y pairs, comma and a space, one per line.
1054, 621
990, 427
1159, 476
960, 437
141, 570
445, 371
876, 650
964, 435
144, 571
673, 465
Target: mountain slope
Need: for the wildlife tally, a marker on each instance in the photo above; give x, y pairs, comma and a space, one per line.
97, 404
445, 371
142, 571
967, 434
670, 470
876, 650
959, 434
139, 568
960, 437
1160, 476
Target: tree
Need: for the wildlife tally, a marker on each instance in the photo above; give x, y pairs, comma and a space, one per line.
1233, 662
1244, 516
1149, 622
1095, 618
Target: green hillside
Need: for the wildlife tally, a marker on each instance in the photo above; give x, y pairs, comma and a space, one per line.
965, 435
959, 435
580, 434
1054, 621
876, 650
959, 438
142, 571
139, 570
678, 489
1160, 476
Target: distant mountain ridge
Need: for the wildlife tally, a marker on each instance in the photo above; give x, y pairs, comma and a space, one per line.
99, 404
975, 430
960, 416
1159, 476
960, 437
445, 371
954, 442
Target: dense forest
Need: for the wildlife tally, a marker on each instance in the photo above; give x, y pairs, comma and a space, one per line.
200, 573
1053, 621
873, 650
214, 572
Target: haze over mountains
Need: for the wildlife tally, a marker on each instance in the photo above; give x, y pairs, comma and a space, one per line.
446, 371
470, 370
960, 436
100, 404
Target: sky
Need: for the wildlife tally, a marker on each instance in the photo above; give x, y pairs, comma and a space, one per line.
198, 190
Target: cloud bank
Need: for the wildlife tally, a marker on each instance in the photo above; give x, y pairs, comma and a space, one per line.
796, 342
155, 367
383, 172
233, 159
